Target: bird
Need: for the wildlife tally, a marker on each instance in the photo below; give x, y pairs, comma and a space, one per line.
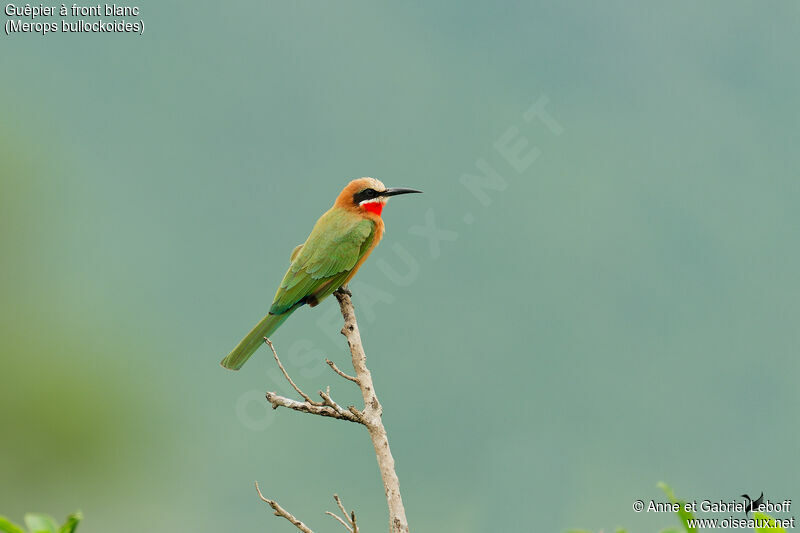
337, 246
753, 505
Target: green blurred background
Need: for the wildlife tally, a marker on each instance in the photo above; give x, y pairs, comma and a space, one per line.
624, 311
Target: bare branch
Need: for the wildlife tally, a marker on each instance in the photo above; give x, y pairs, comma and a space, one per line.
358, 414
305, 396
327, 400
350, 522
341, 521
339, 503
316, 408
336, 369
371, 415
280, 511
327, 407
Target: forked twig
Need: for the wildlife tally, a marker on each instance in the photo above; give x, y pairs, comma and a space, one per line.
349, 520
286, 374
280, 511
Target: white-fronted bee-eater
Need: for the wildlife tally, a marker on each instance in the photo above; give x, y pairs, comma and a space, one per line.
341, 240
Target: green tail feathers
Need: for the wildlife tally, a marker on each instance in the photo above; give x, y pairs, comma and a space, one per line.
247, 346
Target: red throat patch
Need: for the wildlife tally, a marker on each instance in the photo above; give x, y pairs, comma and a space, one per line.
373, 207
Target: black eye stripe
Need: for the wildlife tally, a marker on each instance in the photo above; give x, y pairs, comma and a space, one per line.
366, 194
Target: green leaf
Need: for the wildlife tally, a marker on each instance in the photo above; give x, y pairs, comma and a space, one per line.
772, 527
670, 530
72, 523
6, 526
40, 523
683, 514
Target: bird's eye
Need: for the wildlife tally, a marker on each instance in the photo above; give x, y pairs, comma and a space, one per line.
365, 194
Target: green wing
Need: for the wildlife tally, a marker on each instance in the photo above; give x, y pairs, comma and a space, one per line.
335, 245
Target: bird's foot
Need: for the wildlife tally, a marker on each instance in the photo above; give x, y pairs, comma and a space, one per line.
344, 290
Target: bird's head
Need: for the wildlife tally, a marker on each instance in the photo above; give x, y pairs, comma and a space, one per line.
367, 195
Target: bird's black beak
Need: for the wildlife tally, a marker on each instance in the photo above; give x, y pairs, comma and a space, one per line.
394, 191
